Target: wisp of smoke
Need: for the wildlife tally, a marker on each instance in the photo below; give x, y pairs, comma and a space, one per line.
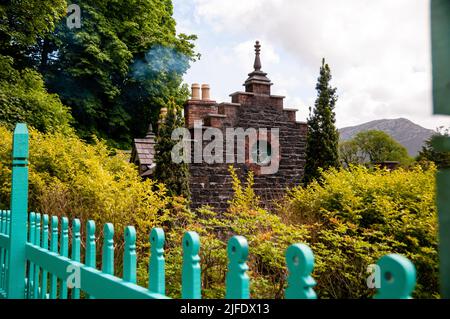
160, 60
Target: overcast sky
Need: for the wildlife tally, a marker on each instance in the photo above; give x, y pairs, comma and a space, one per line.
378, 51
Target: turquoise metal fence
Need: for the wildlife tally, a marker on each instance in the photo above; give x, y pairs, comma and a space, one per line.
35, 262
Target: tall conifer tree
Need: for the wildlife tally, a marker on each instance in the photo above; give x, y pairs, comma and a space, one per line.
323, 137
175, 176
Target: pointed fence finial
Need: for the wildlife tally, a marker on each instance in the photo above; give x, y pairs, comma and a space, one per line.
257, 64
16, 257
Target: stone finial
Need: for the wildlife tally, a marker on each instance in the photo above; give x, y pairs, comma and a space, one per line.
195, 88
150, 131
205, 92
257, 64
258, 82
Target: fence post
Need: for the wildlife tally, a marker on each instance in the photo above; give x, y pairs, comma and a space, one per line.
15, 284
398, 277
237, 280
300, 263
440, 49
191, 284
442, 144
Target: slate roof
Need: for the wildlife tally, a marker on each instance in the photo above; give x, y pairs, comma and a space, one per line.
143, 153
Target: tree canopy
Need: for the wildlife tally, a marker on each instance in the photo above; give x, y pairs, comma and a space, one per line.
372, 146
23, 98
114, 72
429, 152
24, 23
119, 68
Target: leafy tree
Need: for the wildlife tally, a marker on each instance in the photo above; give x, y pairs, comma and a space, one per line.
349, 153
119, 68
23, 23
323, 137
174, 175
429, 153
378, 146
115, 72
71, 178
23, 98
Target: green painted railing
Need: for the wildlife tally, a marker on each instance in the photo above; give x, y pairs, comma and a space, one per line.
35, 261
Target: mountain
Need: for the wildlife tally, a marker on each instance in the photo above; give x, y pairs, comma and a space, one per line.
407, 133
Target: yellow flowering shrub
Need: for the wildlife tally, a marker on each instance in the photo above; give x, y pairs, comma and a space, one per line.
350, 218
268, 238
358, 215
88, 181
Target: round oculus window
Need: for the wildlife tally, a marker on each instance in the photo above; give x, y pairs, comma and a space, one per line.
261, 152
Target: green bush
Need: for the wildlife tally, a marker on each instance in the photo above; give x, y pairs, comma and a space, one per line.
23, 98
88, 181
268, 238
350, 218
358, 215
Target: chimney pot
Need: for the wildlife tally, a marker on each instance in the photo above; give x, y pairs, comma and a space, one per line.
195, 88
205, 92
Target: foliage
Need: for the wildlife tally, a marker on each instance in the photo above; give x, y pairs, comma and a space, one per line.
174, 175
267, 236
71, 178
429, 153
349, 218
119, 68
23, 98
358, 215
350, 153
373, 146
23, 23
323, 137
115, 72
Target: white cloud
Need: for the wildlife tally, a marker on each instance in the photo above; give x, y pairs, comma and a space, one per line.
379, 51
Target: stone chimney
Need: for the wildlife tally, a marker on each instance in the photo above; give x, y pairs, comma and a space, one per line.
199, 107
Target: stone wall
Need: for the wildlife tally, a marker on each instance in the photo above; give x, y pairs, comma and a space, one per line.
211, 183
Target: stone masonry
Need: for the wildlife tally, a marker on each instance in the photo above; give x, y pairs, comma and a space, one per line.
255, 108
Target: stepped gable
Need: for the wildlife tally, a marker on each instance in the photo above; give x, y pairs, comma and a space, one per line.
255, 108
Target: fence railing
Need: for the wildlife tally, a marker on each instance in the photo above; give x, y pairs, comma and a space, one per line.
35, 262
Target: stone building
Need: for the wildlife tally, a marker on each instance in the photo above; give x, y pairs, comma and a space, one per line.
254, 108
